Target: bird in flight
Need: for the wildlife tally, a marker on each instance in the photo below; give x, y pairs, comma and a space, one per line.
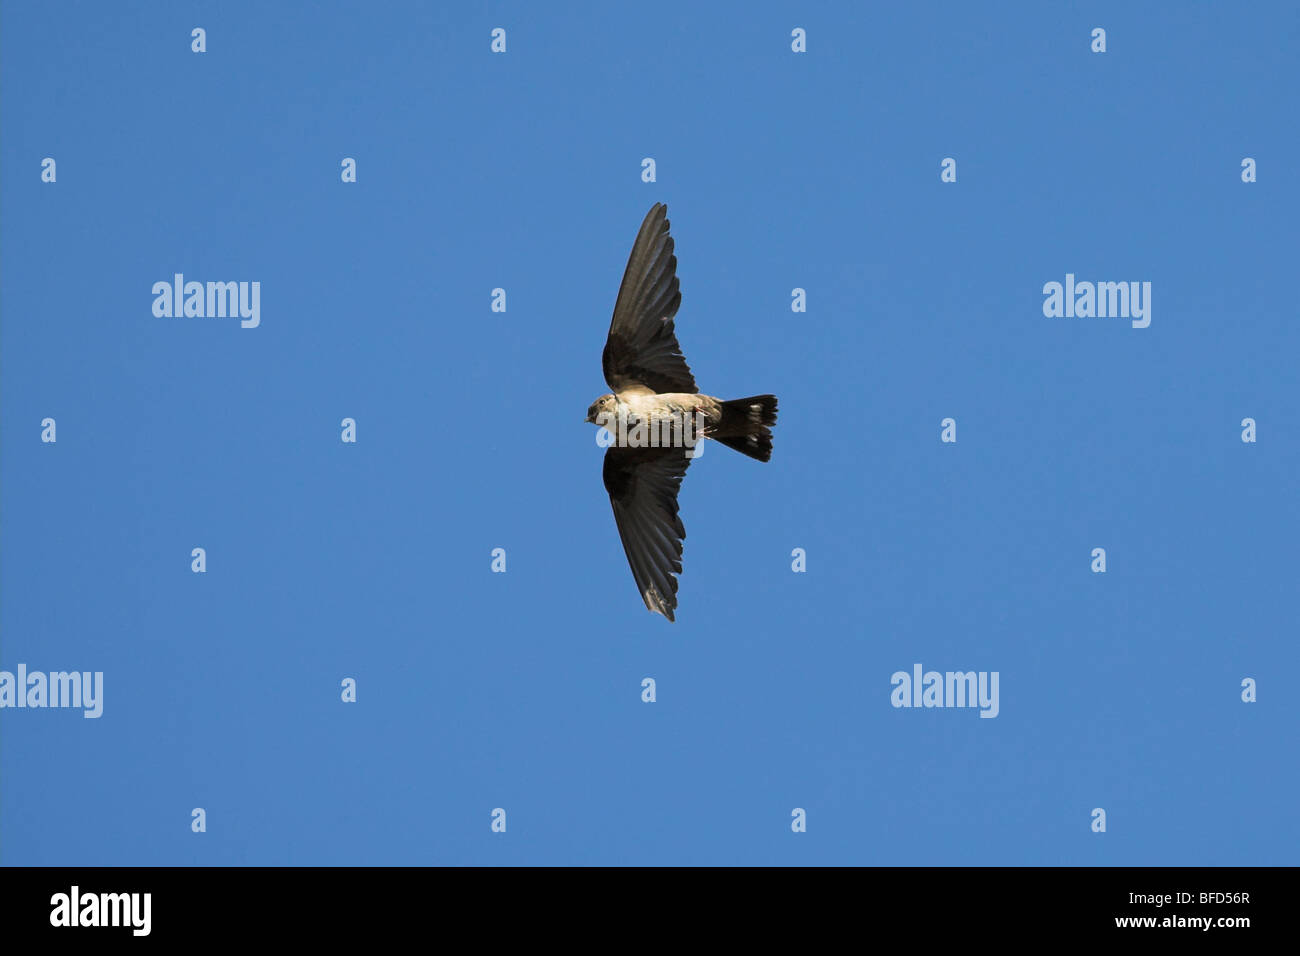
655, 416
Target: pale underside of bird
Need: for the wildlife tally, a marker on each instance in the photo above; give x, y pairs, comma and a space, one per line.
655, 415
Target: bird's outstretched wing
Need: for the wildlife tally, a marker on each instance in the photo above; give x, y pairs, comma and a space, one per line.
642, 485
641, 348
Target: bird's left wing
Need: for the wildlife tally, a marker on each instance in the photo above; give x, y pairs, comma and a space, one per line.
642, 348
642, 485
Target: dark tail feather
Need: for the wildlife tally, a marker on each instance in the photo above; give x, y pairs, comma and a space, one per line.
744, 425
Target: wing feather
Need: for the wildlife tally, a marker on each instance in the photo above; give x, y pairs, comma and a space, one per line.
643, 485
641, 348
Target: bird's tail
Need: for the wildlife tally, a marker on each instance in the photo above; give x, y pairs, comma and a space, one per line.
744, 426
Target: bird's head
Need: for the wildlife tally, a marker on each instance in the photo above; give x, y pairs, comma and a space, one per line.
606, 406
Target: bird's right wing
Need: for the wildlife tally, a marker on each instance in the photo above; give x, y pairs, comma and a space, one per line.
642, 485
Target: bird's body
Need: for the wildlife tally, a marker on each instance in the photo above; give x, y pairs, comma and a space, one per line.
661, 406
681, 416
656, 416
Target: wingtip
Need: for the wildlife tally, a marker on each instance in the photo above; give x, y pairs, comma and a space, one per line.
656, 604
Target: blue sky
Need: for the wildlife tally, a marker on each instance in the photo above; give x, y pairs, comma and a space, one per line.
522, 690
